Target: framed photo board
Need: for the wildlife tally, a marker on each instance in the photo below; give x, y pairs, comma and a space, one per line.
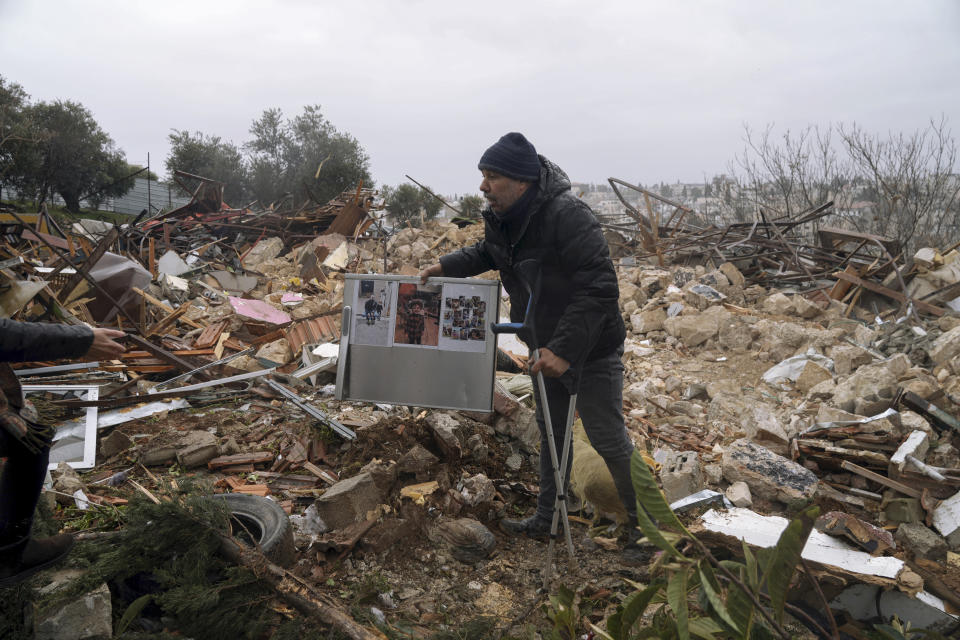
426, 345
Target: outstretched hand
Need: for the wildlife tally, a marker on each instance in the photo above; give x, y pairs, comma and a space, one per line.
433, 271
552, 365
105, 346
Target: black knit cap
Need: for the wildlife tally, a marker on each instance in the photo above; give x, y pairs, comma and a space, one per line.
512, 156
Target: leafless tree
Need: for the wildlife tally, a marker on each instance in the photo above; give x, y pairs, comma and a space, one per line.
912, 180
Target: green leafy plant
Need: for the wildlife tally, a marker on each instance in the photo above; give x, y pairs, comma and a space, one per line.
700, 597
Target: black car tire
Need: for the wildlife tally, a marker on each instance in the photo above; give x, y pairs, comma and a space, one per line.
262, 521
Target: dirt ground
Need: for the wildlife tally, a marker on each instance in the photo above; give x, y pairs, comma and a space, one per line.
418, 585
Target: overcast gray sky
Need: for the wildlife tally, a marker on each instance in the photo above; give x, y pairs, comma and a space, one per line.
644, 91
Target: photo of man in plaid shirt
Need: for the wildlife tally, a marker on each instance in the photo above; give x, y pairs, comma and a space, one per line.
415, 321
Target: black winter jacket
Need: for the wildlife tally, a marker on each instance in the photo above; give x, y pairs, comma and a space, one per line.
578, 315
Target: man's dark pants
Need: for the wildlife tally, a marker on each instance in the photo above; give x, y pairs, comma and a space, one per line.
600, 404
21, 481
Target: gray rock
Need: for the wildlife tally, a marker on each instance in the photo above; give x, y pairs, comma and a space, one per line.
769, 475
115, 443
89, 617
466, 539
514, 462
417, 460
681, 475
946, 346
739, 494
197, 449
921, 541
448, 432
349, 500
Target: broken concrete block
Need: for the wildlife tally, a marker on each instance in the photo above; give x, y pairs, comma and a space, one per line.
448, 433
87, 617
417, 460
946, 346
778, 304
523, 428
197, 448
739, 494
735, 335
847, 358
899, 510
871, 387
701, 296
477, 489
349, 500
692, 330
645, 321
812, 375
466, 539
922, 542
822, 390
805, 309
265, 249
275, 354
769, 475
946, 519
115, 443
681, 475
733, 274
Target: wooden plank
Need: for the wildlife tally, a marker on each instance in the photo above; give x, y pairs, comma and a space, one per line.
166, 356
840, 287
218, 350
66, 290
241, 458
889, 293
152, 256
211, 335
876, 477
320, 473
169, 321
165, 307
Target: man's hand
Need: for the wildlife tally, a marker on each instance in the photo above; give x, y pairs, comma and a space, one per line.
552, 365
433, 271
104, 346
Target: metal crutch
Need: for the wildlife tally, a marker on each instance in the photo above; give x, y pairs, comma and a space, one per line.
529, 275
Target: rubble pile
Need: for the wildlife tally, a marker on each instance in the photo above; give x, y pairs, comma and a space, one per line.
745, 396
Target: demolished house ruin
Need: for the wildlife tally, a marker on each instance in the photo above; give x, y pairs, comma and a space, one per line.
768, 363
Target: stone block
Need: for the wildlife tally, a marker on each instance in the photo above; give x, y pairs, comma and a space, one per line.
871, 387
778, 304
85, 618
739, 494
733, 274
114, 443
701, 296
197, 448
903, 510
805, 309
448, 433
921, 541
946, 346
769, 475
812, 375
681, 475
275, 354
650, 320
349, 500
735, 335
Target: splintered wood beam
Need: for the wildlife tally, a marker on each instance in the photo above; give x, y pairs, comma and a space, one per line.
889, 293
164, 355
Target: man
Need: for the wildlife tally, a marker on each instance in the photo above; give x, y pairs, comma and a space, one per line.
370, 310
25, 444
533, 215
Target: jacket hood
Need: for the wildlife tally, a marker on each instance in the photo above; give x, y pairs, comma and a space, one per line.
553, 180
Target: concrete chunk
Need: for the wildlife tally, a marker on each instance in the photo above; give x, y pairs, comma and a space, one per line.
769, 475
739, 494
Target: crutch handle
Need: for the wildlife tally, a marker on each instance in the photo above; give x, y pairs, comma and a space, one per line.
528, 273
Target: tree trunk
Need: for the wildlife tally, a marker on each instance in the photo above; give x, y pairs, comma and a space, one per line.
72, 201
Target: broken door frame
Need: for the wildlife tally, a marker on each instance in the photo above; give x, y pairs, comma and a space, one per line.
90, 426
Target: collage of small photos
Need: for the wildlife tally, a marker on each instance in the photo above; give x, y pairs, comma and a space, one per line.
448, 316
